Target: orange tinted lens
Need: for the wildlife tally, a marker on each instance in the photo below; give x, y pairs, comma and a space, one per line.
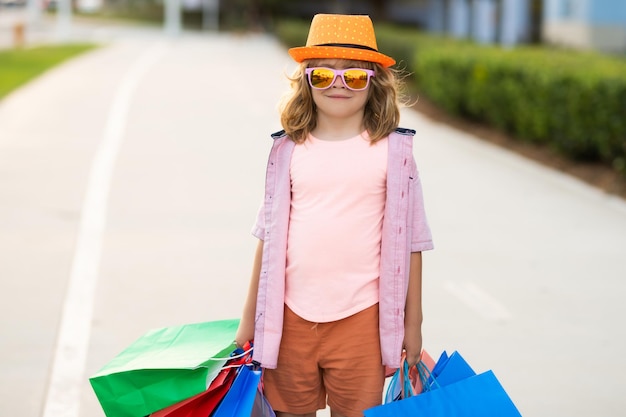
355, 79
322, 78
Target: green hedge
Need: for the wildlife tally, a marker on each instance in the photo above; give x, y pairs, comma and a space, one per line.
572, 101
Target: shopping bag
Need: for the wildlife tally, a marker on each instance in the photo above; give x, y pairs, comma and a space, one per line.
164, 367
476, 396
261, 407
240, 397
203, 404
450, 369
441, 363
427, 364
407, 382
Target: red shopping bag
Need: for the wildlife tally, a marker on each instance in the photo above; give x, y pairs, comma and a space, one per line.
203, 404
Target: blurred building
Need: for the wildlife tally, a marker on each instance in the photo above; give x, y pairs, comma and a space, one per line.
507, 22
586, 24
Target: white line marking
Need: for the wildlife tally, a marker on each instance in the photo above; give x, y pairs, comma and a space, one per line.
479, 301
70, 356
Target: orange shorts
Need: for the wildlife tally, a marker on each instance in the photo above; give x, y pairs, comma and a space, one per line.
339, 360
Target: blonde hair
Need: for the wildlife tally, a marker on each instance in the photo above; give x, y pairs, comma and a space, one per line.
382, 110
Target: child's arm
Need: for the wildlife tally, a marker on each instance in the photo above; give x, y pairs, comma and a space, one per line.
413, 311
245, 331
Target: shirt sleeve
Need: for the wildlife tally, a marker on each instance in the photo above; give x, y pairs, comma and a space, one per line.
421, 238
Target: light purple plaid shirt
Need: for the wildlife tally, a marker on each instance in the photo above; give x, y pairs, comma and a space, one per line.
405, 230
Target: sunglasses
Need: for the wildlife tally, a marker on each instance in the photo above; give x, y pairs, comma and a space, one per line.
355, 79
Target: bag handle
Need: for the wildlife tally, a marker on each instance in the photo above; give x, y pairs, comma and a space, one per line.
428, 380
408, 390
239, 357
426, 377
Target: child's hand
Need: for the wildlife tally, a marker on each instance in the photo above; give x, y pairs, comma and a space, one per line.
413, 344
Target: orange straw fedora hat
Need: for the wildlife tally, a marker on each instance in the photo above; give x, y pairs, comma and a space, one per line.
341, 36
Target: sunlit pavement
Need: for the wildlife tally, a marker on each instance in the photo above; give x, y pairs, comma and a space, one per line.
166, 139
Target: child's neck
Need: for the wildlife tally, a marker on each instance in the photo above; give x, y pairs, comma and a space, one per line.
335, 129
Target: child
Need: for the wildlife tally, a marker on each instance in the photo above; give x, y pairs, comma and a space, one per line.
335, 293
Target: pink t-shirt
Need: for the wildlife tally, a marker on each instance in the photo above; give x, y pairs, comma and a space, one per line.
337, 204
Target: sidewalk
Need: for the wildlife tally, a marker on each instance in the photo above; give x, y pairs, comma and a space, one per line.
527, 277
82, 29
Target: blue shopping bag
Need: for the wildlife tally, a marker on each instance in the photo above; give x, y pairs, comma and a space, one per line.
476, 396
450, 369
239, 399
261, 407
441, 363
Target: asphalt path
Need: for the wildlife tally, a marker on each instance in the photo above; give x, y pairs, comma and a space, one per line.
129, 181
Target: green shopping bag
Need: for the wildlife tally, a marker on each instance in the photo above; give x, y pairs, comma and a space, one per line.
163, 367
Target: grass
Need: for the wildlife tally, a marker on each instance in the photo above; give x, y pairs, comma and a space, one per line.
19, 66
